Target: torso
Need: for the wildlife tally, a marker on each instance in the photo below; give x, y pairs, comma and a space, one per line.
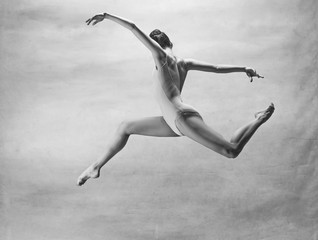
177, 69
169, 76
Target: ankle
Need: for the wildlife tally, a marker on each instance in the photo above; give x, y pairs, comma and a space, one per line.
259, 121
96, 166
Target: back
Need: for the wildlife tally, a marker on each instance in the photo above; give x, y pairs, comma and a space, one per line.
167, 73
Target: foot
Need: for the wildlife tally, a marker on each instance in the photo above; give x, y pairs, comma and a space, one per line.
91, 172
264, 115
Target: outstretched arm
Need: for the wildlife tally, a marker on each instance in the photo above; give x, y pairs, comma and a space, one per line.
144, 38
207, 67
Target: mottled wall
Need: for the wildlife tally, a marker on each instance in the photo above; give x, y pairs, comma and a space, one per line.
65, 87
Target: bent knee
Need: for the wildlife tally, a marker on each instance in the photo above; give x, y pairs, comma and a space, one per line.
232, 152
125, 127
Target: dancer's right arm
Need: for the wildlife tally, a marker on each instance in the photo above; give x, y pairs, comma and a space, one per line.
153, 46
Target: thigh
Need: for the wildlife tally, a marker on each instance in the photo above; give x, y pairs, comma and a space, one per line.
195, 128
151, 126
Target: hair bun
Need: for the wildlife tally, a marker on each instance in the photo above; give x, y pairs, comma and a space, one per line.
161, 38
155, 33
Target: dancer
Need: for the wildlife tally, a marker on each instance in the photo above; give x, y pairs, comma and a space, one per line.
178, 118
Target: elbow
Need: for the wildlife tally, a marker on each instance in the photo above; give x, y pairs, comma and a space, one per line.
217, 69
132, 26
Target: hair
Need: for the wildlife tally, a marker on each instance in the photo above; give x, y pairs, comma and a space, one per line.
161, 38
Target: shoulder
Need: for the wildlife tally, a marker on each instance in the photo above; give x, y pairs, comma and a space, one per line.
188, 63
182, 63
183, 68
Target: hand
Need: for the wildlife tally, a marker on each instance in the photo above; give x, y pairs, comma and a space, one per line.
250, 72
97, 18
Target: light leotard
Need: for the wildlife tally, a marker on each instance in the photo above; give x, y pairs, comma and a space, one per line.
171, 107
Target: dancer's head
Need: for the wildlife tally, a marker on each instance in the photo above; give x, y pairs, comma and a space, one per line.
161, 38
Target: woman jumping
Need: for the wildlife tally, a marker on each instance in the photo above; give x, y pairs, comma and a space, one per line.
178, 118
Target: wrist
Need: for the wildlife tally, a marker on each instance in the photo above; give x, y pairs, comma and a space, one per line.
105, 15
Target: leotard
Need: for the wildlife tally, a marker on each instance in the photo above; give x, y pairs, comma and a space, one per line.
172, 107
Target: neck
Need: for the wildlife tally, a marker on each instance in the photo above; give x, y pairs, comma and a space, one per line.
169, 51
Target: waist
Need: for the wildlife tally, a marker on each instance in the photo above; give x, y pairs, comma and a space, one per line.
175, 105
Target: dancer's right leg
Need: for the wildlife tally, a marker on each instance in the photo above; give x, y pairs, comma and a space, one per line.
246, 130
151, 126
196, 129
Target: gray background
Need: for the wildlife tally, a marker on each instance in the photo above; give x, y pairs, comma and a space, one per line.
66, 86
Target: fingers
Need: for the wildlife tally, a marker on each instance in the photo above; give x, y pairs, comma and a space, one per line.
250, 76
96, 19
257, 75
92, 19
89, 21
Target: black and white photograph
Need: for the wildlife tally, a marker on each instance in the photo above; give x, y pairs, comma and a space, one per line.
163, 120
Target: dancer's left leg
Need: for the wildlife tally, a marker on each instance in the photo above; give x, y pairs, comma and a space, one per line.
151, 126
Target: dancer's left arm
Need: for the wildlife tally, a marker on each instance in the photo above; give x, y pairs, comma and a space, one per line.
192, 64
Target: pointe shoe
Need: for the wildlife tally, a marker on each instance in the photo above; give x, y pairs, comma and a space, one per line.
265, 114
